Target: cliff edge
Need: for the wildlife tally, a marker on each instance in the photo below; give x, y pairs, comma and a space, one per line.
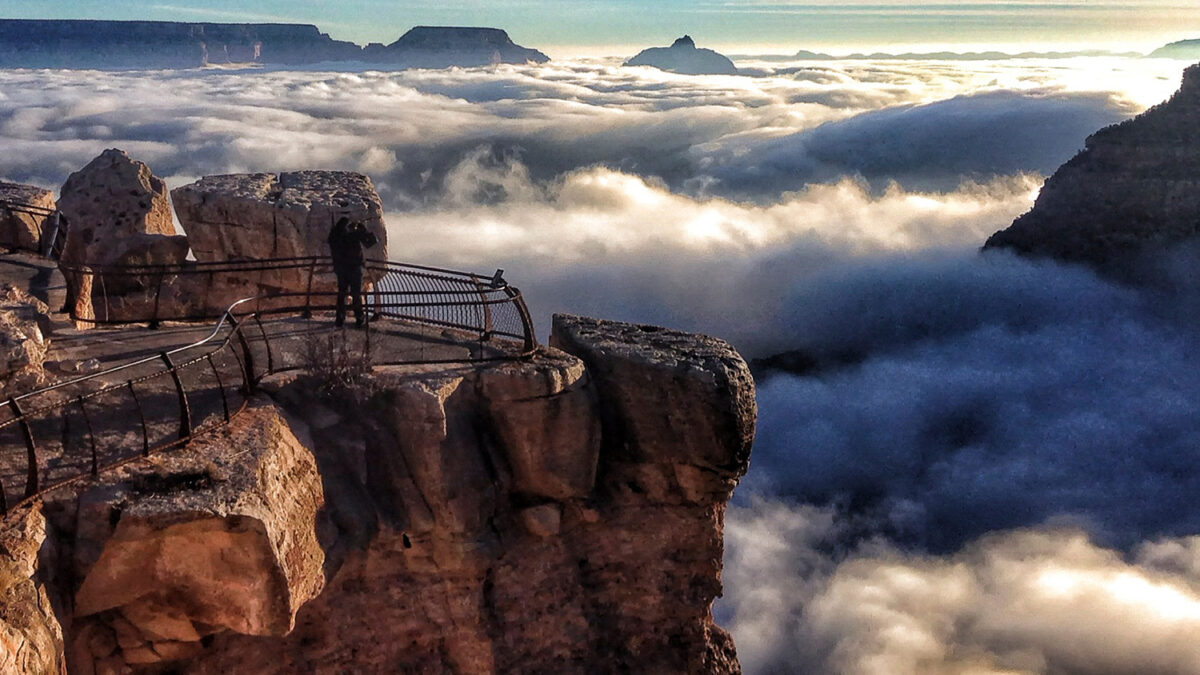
1134, 189
562, 513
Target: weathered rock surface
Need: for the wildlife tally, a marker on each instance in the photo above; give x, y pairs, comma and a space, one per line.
22, 344
23, 229
1134, 189
683, 57
520, 516
262, 215
119, 214
221, 537
31, 639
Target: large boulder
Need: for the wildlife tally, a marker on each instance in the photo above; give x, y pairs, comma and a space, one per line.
219, 537
1134, 189
119, 214
683, 57
261, 215
23, 228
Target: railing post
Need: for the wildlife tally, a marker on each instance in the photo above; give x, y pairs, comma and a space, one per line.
487, 309
220, 385
514, 294
267, 344
87, 421
248, 362
31, 477
142, 417
185, 411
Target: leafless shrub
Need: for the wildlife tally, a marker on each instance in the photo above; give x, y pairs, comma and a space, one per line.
340, 360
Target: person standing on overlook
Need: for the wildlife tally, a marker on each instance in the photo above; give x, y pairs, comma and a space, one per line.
347, 240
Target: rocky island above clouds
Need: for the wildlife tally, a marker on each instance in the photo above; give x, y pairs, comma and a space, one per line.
684, 57
50, 43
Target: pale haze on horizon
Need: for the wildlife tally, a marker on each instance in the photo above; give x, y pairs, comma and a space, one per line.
611, 27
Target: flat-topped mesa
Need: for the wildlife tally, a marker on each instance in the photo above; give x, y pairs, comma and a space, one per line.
24, 228
262, 215
443, 46
62, 43
683, 57
1134, 189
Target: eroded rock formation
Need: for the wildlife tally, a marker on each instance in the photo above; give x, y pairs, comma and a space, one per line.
444, 46
1134, 189
544, 515
22, 343
683, 57
23, 229
119, 214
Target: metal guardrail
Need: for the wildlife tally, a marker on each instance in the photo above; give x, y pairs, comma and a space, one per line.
482, 306
78, 428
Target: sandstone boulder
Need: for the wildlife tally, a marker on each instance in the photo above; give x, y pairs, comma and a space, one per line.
220, 537
119, 214
20, 228
667, 398
262, 215
1135, 188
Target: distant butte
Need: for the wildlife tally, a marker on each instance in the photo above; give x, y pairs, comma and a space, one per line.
683, 57
121, 45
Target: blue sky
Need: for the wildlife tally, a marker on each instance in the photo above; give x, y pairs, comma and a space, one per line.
614, 25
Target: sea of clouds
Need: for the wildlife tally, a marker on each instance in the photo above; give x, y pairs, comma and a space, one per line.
990, 471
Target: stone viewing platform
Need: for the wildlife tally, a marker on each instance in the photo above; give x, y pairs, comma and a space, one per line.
201, 474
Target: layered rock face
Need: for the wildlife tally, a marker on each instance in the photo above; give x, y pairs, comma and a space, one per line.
546, 515
56, 43
1135, 188
683, 57
163, 44
23, 229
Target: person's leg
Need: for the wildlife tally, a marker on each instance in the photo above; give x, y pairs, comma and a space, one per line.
356, 300
343, 286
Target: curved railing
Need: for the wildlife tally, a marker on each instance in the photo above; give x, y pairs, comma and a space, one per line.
482, 306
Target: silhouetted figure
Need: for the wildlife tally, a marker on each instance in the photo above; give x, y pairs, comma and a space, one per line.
347, 240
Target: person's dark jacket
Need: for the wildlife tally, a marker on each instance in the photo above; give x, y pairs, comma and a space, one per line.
346, 244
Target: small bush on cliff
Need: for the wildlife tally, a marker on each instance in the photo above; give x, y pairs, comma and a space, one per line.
340, 360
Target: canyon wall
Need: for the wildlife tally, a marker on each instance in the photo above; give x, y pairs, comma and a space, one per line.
54, 43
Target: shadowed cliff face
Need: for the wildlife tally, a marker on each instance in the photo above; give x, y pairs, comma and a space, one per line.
1134, 190
558, 514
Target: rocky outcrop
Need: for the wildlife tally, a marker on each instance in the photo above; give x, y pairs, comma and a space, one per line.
263, 215
31, 637
162, 44
683, 57
1134, 189
541, 515
22, 228
445, 46
119, 214
219, 538
22, 343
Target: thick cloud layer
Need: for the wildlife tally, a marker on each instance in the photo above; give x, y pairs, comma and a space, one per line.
966, 481
1022, 601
